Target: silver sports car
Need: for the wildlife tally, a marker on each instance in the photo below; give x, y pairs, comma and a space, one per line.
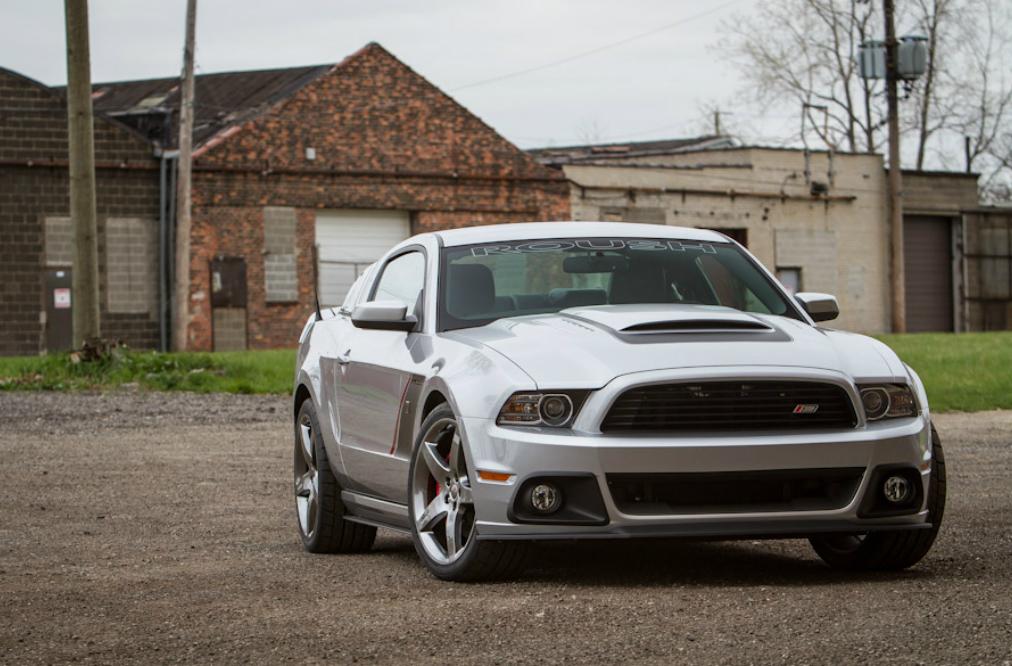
486, 387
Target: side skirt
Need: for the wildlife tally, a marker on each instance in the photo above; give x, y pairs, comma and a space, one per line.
377, 512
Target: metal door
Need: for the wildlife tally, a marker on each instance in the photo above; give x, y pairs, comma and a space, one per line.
59, 310
228, 303
927, 259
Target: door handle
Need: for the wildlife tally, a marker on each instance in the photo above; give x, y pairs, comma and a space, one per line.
345, 358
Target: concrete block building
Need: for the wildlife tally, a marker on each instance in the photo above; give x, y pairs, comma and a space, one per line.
300, 175
818, 219
36, 251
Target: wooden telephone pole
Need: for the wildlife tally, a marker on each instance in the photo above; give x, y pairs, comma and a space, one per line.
895, 183
81, 144
181, 286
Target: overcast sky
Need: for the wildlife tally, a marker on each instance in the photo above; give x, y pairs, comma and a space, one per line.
654, 86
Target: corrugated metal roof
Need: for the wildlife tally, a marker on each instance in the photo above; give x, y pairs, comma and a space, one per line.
220, 100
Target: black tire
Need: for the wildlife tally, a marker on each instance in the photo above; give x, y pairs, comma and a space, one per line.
891, 551
330, 532
480, 560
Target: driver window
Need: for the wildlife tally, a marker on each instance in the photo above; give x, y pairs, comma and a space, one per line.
402, 280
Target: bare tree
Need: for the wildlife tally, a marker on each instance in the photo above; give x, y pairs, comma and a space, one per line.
803, 54
985, 85
934, 19
806, 51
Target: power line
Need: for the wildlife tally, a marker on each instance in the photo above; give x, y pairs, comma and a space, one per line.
597, 49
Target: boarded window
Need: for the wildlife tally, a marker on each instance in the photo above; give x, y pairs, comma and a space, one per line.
131, 265
281, 284
59, 241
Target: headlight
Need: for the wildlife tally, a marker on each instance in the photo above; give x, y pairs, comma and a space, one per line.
541, 409
888, 401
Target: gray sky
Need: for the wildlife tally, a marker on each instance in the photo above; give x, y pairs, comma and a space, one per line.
650, 87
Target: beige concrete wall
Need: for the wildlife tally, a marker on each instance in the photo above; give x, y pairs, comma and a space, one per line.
840, 243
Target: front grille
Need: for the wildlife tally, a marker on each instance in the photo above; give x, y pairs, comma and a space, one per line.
735, 492
753, 405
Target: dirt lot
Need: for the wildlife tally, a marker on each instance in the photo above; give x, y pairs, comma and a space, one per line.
158, 527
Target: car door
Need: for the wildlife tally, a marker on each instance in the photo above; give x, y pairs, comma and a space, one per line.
378, 379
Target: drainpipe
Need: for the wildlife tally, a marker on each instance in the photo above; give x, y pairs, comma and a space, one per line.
162, 286
166, 218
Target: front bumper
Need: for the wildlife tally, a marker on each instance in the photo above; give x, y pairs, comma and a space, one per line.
528, 452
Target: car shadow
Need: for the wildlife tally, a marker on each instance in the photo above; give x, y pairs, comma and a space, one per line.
675, 562
660, 562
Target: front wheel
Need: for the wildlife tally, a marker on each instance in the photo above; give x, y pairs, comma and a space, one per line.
441, 508
890, 551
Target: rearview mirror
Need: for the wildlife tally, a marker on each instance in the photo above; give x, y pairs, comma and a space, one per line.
384, 316
597, 263
820, 307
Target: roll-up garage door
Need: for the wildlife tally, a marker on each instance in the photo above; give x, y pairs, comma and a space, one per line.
348, 241
927, 257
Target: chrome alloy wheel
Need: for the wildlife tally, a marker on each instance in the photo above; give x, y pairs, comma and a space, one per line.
307, 477
442, 504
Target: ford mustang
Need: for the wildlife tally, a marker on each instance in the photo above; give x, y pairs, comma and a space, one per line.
486, 387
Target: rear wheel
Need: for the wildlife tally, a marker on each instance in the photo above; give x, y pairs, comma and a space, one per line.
890, 550
318, 505
441, 508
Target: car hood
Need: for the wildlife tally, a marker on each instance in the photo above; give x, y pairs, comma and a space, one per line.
589, 346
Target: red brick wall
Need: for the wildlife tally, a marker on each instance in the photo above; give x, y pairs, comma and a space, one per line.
385, 138
34, 185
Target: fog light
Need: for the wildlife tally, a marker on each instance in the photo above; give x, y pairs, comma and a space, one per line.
546, 498
897, 489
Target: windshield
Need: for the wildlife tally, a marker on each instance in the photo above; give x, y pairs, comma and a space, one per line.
482, 283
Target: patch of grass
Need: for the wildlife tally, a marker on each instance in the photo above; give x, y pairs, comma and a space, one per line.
968, 372
225, 372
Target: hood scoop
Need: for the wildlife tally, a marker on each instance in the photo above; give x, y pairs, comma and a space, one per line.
678, 320
697, 326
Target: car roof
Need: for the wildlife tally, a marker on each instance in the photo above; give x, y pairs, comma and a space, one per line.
495, 233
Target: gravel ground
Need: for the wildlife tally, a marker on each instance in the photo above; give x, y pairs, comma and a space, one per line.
152, 527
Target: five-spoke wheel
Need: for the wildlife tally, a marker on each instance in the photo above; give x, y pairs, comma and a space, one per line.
443, 508
318, 506
307, 477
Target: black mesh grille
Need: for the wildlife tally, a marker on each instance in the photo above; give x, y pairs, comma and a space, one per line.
735, 492
756, 405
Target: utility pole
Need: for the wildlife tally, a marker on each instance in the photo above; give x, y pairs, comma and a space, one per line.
181, 288
716, 122
895, 182
81, 144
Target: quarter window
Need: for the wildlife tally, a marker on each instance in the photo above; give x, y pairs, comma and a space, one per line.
402, 279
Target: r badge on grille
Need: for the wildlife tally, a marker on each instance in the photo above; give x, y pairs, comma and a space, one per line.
805, 408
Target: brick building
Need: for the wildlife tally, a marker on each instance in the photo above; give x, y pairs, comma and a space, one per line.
35, 232
338, 161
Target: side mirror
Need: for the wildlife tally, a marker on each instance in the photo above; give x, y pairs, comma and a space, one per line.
384, 316
820, 307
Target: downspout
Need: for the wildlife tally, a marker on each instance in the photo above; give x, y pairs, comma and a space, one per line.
163, 287
166, 220
170, 242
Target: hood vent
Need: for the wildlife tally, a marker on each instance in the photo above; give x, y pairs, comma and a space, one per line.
698, 326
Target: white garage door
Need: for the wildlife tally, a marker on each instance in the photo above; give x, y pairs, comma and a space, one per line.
348, 241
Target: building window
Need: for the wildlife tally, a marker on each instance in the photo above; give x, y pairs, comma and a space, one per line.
59, 241
281, 283
790, 278
131, 263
